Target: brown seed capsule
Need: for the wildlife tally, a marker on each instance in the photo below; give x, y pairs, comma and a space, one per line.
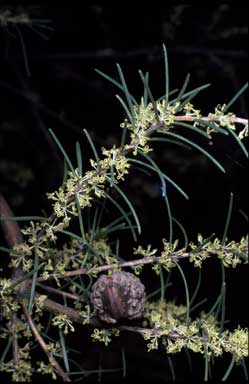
119, 296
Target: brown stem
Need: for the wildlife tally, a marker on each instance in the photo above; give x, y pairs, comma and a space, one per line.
44, 346
235, 119
74, 315
12, 235
59, 292
123, 152
124, 264
15, 346
10, 228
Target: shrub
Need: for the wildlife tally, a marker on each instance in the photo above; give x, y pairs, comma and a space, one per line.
46, 290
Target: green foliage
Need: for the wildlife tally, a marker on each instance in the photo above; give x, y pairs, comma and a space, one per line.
44, 263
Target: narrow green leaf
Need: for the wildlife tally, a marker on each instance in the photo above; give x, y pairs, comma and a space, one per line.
191, 95
163, 174
170, 93
216, 304
186, 291
125, 108
206, 365
4, 249
146, 78
183, 231
170, 219
207, 154
114, 222
93, 229
120, 227
244, 368
127, 93
212, 125
117, 249
166, 68
197, 287
33, 286
129, 205
124, 133
223, 303
228, 219
172, 369
162, 284
64, 350
243, 214
171, 141
79, 158
123, 361
189, 359
6, 350
92, 145
157, 170
183, 89
64, 171
197, 305
149, 94
229, 369
115, 83
92, 371
235, 97
140, 169
191, 127
82, 230
26, 277
166, 285
113, 180
62, 151
71, 234
124, 214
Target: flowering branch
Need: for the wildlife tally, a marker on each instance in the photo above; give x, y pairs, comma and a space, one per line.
230, 254
89, 254
44, 346
234, 119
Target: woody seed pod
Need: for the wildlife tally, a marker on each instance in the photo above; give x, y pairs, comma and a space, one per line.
119, 296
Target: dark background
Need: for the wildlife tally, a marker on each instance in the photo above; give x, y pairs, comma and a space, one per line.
51, 83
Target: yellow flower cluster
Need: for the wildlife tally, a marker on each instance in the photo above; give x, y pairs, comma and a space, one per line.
166, 259
63, 322
21, 370
104, 335
229, 253
225, 120
82, 188
200, 335
144, 118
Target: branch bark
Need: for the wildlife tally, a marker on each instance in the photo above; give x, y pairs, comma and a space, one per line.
44, 346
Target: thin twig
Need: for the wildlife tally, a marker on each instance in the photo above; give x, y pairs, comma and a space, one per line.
44, 346
74, 315
59, 292
234, 119
155, 126
122, 264
10, 228
12, 234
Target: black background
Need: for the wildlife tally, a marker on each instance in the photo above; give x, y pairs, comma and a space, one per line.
52, 83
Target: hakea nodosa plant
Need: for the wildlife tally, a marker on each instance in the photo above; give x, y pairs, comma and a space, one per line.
40, 268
